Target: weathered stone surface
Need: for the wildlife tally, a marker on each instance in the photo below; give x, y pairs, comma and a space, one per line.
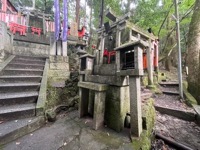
93, 86
117, 105
42, 39
105, 69
58, 59
135, 106
59, 73
99, 109
111, 80
59, 66
131, 72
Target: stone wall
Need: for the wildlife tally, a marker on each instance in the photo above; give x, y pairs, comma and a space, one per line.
30, 49
6, 41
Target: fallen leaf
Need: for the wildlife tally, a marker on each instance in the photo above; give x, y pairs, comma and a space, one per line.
1, 122
17, 143
16, 120
31, 134
29, 120
65, 143
108, 134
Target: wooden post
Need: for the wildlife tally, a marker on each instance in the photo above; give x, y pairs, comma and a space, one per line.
118, 43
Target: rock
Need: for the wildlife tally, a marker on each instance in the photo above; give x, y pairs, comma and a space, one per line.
50, 115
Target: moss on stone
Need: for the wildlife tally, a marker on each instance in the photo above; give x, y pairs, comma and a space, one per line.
189, 98
148, 112
161, 76
144, 80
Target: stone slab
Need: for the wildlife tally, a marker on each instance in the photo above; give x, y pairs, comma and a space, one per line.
111, 80
93, 86
188, 116
131, 72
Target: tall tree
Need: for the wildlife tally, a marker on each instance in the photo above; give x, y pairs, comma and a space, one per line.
193, 60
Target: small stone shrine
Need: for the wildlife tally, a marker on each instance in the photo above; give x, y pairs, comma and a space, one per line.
109, 86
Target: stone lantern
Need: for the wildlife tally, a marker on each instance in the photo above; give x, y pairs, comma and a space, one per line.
130, 62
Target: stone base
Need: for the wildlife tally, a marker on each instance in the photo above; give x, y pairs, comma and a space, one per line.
58, 68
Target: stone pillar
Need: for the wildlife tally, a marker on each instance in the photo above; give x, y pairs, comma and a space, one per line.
99, 108
83, 103
52, 45
102, 50
150, 64
44, 24
59, 47
64, 48
117, 60
135, 106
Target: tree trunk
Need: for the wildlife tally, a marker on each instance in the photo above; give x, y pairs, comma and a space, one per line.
77, 12
193, 59
33, 4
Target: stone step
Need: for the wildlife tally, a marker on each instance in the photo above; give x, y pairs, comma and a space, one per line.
36, 59
16, 79
17, 111
169, 83
28, 61
18, 98
18, 87
14, 129
25, 66
27, 72
171, 92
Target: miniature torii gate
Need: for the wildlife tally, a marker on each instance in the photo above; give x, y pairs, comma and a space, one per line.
135, 33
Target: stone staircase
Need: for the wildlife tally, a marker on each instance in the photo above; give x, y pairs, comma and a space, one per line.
20, 82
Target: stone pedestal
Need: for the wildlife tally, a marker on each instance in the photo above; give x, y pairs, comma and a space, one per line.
99, 101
